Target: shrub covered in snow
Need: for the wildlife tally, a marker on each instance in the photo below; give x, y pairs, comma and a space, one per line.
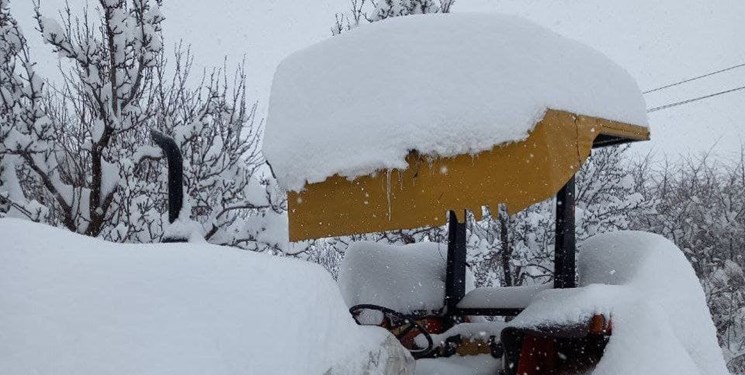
364, 11
79, 155
699, 205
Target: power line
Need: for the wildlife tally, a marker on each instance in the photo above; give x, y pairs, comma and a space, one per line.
694, 99
695, 78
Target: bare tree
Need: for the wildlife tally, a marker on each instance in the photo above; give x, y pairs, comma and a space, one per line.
25, 130
81, 150
106, 87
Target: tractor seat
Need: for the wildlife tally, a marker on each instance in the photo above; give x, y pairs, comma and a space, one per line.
498, 301
409, 279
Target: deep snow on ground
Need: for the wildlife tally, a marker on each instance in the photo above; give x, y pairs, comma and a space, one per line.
443, 85
70, 304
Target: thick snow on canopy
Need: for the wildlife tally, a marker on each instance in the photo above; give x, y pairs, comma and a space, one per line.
75, 305
661, 324
404, 278
443, 85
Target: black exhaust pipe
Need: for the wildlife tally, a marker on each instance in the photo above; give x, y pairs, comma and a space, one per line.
175, 178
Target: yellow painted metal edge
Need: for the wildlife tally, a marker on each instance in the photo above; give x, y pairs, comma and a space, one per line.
517, 174
618, 129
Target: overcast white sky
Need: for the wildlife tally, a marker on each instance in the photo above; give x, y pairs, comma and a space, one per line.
658, 41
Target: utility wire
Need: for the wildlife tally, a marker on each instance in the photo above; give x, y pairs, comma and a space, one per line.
694, 99
695, 78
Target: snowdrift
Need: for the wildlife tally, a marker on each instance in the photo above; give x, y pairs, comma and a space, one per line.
76, 305
661, 324
443, 85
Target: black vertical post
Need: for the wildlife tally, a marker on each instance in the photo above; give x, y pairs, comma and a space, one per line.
564, 255
455, 275
175, 173
175, 177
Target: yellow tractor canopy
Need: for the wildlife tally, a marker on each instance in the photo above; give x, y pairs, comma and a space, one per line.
516, 174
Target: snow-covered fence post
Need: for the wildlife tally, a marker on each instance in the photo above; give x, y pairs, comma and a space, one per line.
175, 177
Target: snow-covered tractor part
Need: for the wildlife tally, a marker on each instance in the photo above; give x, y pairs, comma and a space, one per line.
175, 179
89, 306
403, 123
574, 348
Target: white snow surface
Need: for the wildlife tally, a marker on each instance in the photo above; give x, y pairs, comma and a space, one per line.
483, 364
75, 305
661, 324
404, 278
501, 297
444, 85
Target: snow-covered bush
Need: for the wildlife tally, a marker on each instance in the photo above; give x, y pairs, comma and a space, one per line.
79, 155
396, 8
22, 123
372, 11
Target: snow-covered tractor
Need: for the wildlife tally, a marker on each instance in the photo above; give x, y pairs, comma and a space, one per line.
410, 122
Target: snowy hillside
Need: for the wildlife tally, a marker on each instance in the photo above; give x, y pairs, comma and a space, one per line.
75, 305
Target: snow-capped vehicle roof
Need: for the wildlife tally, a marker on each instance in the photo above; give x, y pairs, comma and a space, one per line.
443, 85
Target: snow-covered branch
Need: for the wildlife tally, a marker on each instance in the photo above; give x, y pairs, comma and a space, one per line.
82, 148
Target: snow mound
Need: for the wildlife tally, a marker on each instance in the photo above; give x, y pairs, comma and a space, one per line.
483, 364
76, 305
513, 297
404, 278
443, 85
661, 324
